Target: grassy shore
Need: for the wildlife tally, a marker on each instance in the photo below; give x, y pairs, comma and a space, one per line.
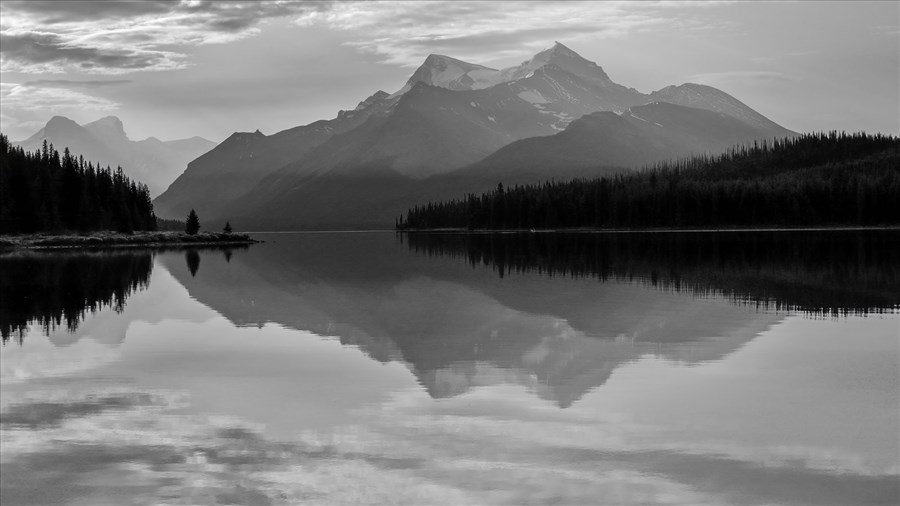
118, 240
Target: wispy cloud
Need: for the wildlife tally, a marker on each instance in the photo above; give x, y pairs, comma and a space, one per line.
118, 37
782, 56
106, 37
36, 52
740, 75
26, 106
24, 96
404, 32
74, 84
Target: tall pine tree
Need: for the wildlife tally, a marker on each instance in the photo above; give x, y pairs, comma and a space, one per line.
192, 225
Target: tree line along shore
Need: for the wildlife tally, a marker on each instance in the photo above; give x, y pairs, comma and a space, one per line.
50, 200
813, 180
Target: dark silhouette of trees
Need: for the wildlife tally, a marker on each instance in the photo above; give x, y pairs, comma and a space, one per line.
192, 225
43, 191
163, 224
809, 180
55, 289
192, 258
227, 228
834, 272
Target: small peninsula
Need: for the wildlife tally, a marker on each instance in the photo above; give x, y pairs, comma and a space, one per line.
121, 240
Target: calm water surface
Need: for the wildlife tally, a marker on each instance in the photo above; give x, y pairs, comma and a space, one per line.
521, 369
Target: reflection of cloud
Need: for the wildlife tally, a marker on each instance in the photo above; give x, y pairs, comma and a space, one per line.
34, 415
38, 358
406, 453
495, 444
116, 37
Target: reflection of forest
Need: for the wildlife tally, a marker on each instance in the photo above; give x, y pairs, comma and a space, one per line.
55, 289
59, 288
834, 272
552, 327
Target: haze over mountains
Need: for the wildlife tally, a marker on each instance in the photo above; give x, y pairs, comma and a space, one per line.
440, 136
151, 161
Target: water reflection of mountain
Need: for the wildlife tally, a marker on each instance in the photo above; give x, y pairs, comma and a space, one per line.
821, 273
458, 327
56, 289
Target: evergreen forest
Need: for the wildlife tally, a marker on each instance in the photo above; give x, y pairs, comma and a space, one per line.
44, 191
824, 179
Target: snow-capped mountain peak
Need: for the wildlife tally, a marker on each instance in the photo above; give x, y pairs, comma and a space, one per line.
562, 57
452, 74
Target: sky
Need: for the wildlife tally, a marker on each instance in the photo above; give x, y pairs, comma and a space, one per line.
176, 69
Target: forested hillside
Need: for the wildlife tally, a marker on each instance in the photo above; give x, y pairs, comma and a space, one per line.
810, 180
45, 191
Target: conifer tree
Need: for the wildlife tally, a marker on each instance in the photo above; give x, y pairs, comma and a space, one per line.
823, 179
192, 225
43, 191
227, 228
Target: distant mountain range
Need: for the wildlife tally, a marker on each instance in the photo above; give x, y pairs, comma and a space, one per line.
151, 161
455, 127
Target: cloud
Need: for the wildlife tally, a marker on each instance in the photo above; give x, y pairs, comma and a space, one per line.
54, 99
77, 10
26, 106
36, 52
741, 76
404, 33
119, 37
782, 56
72, 84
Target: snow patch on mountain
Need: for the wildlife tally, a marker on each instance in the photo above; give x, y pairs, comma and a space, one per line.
452, 74
533, 97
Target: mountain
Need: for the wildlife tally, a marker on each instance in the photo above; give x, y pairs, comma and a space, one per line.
151, 161
595, 144
605, 140
443, 131
211, 182
711, 99
452, 74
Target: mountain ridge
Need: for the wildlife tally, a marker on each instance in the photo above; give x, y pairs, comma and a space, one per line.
450, 115
150, 161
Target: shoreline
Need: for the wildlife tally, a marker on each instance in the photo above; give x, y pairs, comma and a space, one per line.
102, 240
641, 230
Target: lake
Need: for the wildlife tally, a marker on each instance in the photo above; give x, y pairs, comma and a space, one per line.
372, 368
